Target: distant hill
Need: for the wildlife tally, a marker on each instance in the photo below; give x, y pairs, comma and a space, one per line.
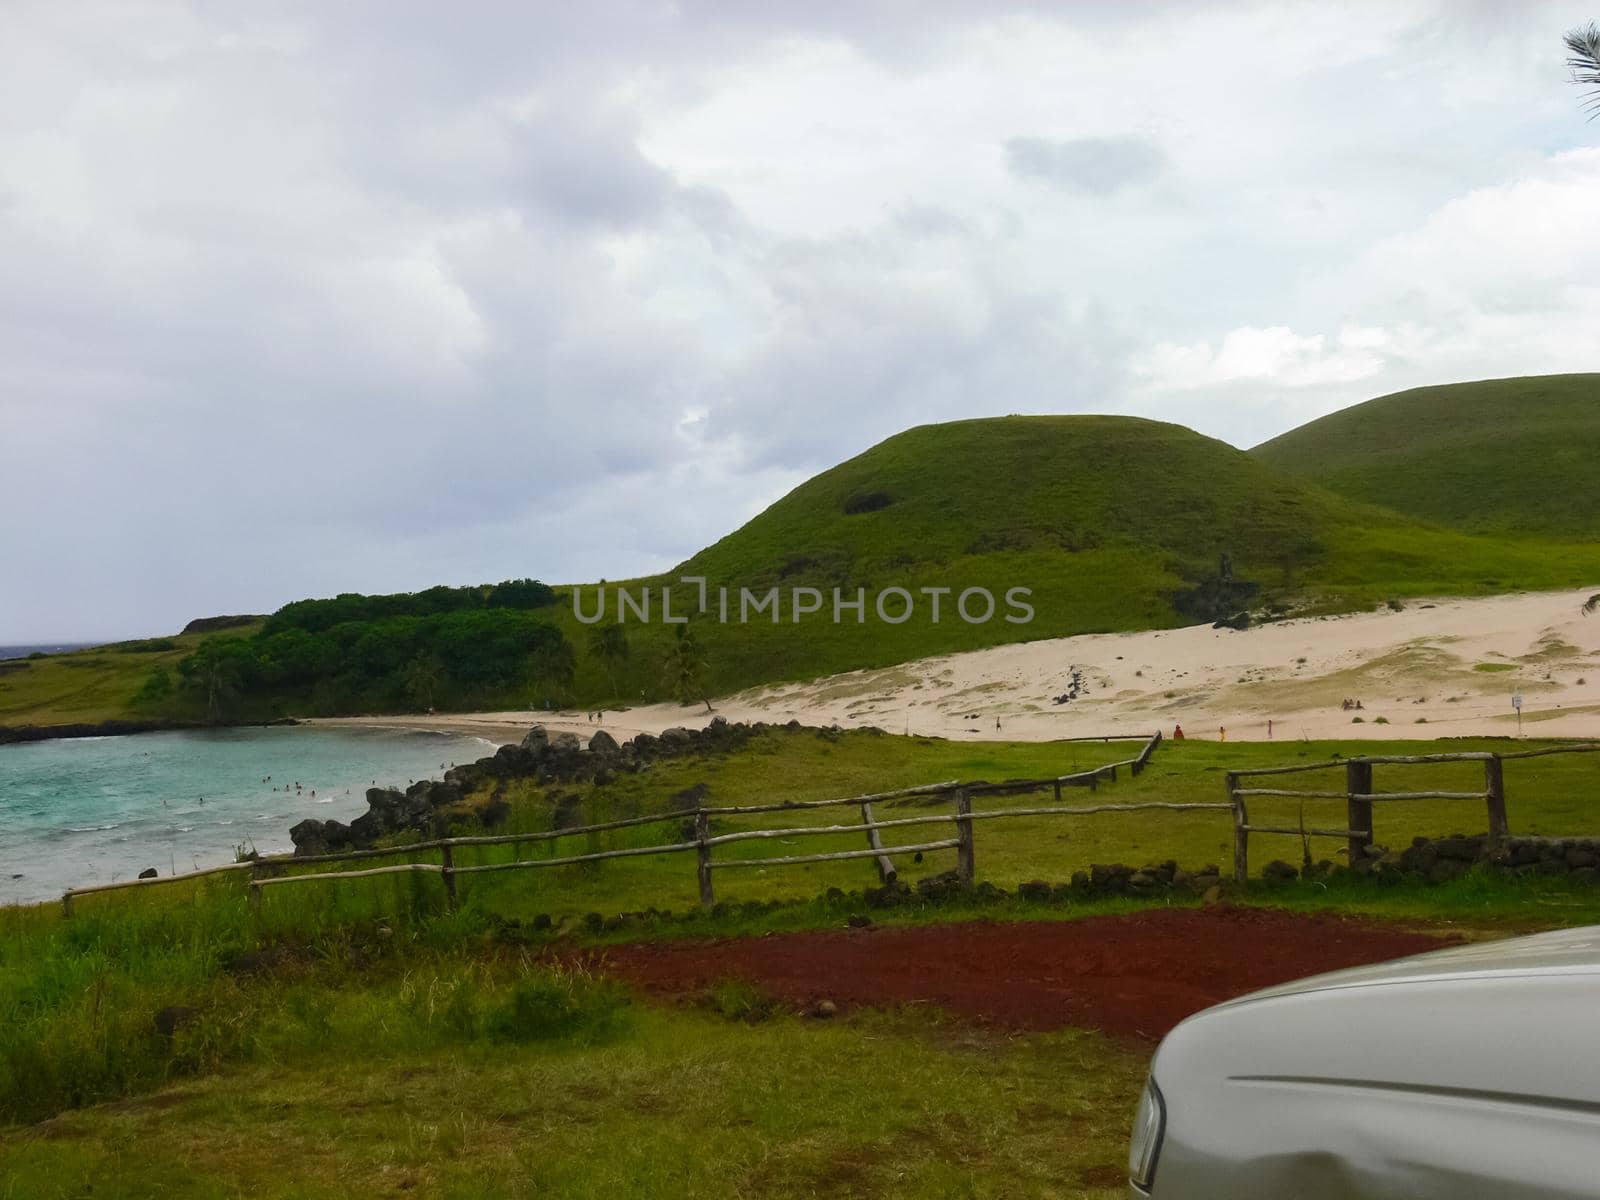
1114, 523
1032, 485
1111, 523
217, 624
1498, 456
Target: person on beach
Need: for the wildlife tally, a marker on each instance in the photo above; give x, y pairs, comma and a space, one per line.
1222, 733
1177, 733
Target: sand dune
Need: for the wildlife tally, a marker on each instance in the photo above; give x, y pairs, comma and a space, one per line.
1435, 669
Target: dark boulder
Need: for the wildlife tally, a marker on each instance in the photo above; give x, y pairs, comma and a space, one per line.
173, 1018
1278, 871
312, 836
148, 873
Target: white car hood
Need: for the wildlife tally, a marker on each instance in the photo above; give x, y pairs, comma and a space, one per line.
1563, 952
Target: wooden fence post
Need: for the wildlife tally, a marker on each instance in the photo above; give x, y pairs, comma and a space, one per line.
966, 868
66, 904
702, 833
1241, 832
886, 869
447, 860
1494, 784
255, 897
1358, 782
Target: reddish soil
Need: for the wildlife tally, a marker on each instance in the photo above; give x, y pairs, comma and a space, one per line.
1138, 974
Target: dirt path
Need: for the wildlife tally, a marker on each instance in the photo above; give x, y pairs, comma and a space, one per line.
1138, 974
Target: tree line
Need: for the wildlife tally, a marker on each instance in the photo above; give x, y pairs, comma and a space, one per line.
443, 647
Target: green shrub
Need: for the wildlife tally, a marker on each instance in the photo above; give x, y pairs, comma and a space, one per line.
555, 1004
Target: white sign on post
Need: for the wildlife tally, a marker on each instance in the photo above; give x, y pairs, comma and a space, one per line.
1516, 702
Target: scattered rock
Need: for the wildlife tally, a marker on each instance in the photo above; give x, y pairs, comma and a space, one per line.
175, 1017
1278, 871
148, 873
824, 1009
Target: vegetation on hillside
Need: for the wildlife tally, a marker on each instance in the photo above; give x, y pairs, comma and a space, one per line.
445, 646
127, 680
1106, 523
1500, 456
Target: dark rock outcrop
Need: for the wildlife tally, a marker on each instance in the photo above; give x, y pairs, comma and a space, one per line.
544, 758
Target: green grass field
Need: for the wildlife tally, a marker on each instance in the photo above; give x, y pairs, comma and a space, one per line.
97, 684
356, 1038
1498, 456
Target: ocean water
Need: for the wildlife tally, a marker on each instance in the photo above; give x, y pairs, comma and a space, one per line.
77, 811
42, 648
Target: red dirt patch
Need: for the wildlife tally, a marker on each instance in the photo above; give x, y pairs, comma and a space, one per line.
1136, 974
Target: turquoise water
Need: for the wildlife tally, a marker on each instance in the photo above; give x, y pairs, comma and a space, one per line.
94, 810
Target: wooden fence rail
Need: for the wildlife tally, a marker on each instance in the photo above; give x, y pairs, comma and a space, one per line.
263, 869
1360, 795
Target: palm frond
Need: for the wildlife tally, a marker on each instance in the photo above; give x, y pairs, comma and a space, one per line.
1583, 60
1592, 605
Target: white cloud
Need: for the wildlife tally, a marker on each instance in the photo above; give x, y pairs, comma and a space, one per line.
1275, 354
313, 297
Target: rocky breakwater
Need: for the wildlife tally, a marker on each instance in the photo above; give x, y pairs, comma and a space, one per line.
435, 807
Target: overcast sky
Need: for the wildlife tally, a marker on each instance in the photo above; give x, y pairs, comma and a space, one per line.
302, 299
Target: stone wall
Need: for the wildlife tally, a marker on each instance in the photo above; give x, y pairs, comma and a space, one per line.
1439, 860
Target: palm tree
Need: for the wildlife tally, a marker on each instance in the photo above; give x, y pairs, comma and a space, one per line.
683, 666
609, 643
553, 663
1583, 57
219, 683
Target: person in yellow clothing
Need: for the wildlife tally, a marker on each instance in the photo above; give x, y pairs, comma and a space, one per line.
1222, 733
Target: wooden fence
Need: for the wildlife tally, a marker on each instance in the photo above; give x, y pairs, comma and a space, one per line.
269, 871
1360, 794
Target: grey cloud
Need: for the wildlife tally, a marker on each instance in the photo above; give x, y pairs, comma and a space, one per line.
1097, 165
303, 298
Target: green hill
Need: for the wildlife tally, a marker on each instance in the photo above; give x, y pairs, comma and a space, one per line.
1109, 523
1114, 523
1496, 456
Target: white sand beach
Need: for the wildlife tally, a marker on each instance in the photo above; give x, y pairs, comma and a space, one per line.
1438, 668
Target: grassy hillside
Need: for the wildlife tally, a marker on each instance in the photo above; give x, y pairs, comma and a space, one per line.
1496, 456
1109, 520
98, 684
1110, 523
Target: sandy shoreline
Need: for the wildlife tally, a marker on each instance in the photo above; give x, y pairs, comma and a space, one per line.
1441, 668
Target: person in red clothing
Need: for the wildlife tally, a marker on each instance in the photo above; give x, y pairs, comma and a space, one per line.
1177, 733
